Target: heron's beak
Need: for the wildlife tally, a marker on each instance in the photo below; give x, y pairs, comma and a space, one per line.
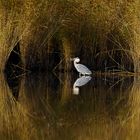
71, 59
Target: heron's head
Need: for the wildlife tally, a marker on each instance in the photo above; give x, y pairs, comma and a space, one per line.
76, 59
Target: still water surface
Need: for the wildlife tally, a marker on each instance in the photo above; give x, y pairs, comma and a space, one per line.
66, 107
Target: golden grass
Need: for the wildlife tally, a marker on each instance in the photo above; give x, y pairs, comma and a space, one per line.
71, 28
94, 30
38, 114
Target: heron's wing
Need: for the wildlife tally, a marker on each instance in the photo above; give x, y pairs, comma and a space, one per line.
83, 69
82, 81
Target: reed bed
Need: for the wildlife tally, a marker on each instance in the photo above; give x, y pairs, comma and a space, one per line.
102, 33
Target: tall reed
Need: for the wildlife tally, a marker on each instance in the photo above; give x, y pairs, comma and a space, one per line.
50, 32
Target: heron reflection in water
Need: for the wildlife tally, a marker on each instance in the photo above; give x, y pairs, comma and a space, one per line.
80, 82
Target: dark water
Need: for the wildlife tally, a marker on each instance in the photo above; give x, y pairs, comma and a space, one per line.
60, 107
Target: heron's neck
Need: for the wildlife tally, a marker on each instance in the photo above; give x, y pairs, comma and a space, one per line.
75, 63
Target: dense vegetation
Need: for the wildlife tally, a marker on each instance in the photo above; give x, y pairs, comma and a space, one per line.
104, 34
43, 35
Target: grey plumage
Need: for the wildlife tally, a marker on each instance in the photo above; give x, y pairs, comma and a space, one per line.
80, 67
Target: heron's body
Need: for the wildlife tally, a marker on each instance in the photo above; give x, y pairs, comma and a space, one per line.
81, 68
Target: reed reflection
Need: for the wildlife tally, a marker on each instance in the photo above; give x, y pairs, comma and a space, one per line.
104, 109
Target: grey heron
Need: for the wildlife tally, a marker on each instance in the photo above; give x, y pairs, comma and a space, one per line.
79, 83
80, 67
